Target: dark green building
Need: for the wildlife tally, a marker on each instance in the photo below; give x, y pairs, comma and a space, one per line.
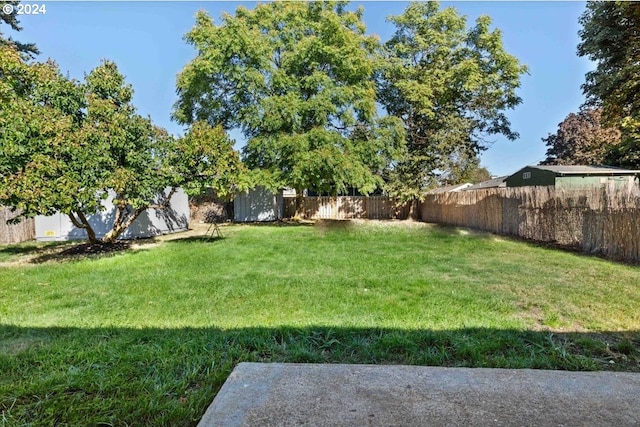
572, 176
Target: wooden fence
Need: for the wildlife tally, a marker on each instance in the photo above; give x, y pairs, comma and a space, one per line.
600, 220
24, 230
349, 207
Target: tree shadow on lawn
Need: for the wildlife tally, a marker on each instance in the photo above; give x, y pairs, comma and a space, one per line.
26, 248
82, 250
151, 376
18, 250
67, 251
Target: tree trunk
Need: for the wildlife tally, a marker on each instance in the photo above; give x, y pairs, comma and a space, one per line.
111, 236
414, 212
122, 221
81, 222
299, 204
121, 224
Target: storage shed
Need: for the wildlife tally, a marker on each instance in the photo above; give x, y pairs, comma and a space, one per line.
572, 176
260, 205
152, 222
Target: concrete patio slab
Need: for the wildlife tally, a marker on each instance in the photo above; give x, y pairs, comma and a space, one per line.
257, 394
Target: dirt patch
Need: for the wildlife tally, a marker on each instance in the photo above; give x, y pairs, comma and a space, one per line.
14, 346
540, 322
334, 224
95, 249
401, 223
376, 223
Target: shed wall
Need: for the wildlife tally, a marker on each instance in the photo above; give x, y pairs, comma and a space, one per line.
574, 181
537, 177
258, 205
152, 222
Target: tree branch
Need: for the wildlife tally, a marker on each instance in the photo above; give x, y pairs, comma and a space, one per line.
167, 201
82, 223
75, 221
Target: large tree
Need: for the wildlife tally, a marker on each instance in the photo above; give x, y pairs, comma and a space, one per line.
28, 49
581, 139
296, 78
451, 86
67, 146
611, 38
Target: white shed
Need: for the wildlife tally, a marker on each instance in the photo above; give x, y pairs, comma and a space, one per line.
152, 222
260, 205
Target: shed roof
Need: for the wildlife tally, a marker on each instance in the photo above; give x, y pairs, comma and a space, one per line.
490, 183
585, 170
449, 188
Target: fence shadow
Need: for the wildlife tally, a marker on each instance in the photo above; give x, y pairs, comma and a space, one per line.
599, 221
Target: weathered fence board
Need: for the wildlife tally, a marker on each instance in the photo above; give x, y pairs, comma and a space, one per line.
349, 207
14, 233
602, 220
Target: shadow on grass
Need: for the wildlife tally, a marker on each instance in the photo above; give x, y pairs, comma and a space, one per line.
81, 251
78, 250
26, 248
453, 231
18, 250
122, 376
196, 239
279, 223
70, 251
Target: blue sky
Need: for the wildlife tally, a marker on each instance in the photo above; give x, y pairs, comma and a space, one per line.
145, 40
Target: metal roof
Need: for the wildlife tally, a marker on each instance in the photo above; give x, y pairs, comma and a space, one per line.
491, 183
449, 188
585, 170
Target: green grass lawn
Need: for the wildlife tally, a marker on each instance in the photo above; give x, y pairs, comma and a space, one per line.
148, 336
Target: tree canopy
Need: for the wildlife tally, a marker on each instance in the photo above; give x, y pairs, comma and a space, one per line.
304, 84
297, 79
610, 37
67, 145
463, 170
37, 122
581, 139
451, 86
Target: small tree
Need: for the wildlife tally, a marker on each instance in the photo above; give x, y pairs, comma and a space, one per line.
67, 145
204, 157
